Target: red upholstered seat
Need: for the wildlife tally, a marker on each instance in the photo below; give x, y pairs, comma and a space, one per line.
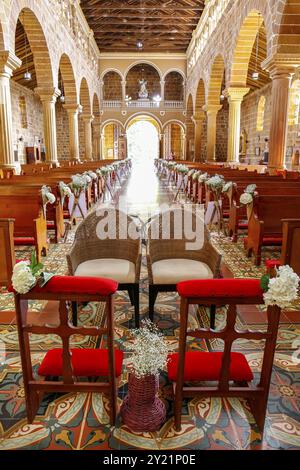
24, 241
50, 225
77, 284
273, 263
243, 225
220, 288
202, 366
272, 241
225, 215
66, 215
85, 362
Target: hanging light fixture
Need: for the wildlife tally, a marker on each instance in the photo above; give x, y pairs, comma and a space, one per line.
61, 87
255, 74
140, 42
27, 74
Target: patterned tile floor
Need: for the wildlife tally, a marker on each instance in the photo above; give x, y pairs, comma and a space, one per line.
80, 421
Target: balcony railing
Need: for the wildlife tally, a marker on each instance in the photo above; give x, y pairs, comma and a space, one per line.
144, 104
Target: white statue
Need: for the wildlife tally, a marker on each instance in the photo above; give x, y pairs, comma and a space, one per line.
143, 93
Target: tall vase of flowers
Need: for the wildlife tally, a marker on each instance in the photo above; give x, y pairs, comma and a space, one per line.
142, 409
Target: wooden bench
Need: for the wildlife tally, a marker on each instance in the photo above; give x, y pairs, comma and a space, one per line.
265, 226
7, 252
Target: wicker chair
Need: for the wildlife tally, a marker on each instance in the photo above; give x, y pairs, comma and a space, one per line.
117, 258
169, 261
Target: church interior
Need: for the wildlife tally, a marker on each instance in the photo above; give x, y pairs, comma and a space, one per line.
149, 225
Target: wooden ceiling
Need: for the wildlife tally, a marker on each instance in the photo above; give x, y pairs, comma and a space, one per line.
162, 26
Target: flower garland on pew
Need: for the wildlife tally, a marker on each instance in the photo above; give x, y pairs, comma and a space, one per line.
282, 289
216, 184
246, 199
182, 171
27, 274
78, 185
47, 197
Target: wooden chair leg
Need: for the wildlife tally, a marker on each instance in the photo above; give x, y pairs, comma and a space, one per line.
74, 313
137, 305
212, 317
152, 297
131, 294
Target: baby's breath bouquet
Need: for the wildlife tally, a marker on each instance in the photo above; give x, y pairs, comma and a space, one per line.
150, 352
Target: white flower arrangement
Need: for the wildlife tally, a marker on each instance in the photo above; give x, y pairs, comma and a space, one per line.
64, 189
150, 351
182, 168
86, 178
196, 175
78, 182
227, 187
191, 172
92, 174
215, 183
246, 198
203, 177
171, 164
281, 290
26, 275
47, 195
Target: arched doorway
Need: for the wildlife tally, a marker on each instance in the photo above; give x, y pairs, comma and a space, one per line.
143, 139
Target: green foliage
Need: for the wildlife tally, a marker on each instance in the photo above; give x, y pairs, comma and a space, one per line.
264, 282
34, 265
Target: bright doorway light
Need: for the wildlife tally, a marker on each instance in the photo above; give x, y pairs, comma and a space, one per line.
142, 141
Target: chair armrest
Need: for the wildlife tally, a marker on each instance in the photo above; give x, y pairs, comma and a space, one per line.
74, 258
214, 259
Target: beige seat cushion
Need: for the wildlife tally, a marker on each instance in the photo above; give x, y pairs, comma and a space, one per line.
120, 270
171, 271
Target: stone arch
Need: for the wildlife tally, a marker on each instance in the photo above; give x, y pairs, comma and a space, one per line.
111, 131
96, 105
112, 85
174, 138
143, 70
174, 70
200, 97
106, 71
243, 48
38, 45
68, 78
288, 40
174, 86
174, 121
215, 81
85, 98
141, 114
138, 62
112, 121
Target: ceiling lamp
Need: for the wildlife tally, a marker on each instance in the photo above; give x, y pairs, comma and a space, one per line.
27, 74
222, 97
139, 44
255, 74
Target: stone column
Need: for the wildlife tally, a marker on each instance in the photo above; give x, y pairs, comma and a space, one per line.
123, 92
211, 112
281, 82
8, 63
198, 122
235, 97
88, 119
73, 111
162, 92
48, 98
97, 138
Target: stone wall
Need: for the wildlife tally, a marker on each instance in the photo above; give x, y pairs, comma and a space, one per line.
176, 140
27, 115
174, 89
112, 86
62, 132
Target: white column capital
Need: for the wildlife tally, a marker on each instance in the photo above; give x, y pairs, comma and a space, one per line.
283, 66
236, 93
48, 94
9, 62
73, 108
88, 118
212, 108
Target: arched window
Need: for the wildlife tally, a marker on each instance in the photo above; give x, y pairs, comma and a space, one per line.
23, 112
261, 114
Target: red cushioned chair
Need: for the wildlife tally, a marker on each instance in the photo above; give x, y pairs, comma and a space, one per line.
66, 363
229, 369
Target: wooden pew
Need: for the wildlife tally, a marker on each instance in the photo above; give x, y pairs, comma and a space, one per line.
25, 205
7, 252
264, 225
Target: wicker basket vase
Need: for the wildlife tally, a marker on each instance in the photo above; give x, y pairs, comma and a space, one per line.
141, 409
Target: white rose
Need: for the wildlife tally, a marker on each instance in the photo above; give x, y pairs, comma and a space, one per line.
51, 198
22, 279
246, 198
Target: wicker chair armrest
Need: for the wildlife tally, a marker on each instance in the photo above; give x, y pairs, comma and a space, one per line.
149, 267
214, 259
138, 268
74, 258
